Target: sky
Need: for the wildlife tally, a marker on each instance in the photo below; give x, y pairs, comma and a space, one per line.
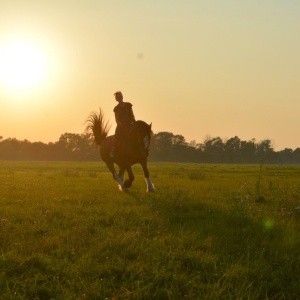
197, 68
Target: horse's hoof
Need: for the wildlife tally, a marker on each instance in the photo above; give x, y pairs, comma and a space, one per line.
122, 188
150, 190
127, 184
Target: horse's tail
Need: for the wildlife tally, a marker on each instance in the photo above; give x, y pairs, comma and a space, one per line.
98, 125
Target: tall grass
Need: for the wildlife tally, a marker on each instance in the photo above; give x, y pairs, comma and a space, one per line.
66, 232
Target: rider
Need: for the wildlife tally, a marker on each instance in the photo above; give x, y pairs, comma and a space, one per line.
124, 118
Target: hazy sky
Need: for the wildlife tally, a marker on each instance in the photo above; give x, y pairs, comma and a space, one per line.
195, 68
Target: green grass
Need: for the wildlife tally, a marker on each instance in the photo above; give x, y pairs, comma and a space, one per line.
208, 232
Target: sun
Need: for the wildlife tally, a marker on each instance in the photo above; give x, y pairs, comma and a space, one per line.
23, 65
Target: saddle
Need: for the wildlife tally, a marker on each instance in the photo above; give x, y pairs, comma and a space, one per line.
115, 144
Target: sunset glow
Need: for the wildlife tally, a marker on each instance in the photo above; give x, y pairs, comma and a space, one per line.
23, 65
198, 68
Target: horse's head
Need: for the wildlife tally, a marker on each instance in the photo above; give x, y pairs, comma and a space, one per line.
141, 134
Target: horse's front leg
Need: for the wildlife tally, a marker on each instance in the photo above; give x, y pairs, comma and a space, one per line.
121, 173
116, 177
150, 186
128, 182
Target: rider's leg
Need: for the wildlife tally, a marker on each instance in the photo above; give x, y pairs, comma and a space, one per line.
115, 141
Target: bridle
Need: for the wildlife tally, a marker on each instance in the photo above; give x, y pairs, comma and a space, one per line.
144, 142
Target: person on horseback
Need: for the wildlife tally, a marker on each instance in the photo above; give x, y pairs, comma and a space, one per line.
124, 118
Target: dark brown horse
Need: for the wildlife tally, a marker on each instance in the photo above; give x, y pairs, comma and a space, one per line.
133, 149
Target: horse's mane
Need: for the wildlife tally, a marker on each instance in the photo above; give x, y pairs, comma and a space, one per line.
143, 126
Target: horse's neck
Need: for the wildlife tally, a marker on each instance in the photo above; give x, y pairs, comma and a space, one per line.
138, 126
134, 136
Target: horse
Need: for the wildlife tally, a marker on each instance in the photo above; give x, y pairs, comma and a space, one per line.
133, 149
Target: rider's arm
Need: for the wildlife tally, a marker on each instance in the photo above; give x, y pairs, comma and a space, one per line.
132, 115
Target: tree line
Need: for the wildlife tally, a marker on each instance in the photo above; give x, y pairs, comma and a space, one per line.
165, 147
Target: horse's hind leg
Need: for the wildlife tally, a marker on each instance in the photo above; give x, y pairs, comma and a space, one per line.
116, 176
121, 173
150, 186
128, 182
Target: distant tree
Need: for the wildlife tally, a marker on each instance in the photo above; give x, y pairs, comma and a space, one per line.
194, 144
165, 146
286, 156
178, 140
76, 146
213, 149
179, 149
233, 150
161, 146
296, 154
248, 151
10, 149
264, 151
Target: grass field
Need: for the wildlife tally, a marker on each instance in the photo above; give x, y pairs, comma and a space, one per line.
208, 232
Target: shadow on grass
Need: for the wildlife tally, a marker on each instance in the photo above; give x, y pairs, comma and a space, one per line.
235, 254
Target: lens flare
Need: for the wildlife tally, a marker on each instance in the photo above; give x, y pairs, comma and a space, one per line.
22, 65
